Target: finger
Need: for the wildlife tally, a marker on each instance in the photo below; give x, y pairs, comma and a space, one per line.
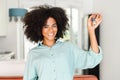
93, 19
98, 18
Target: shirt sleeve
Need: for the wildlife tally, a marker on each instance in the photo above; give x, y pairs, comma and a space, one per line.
30, 72
86, 59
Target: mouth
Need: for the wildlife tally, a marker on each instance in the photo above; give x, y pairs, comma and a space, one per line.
51, 34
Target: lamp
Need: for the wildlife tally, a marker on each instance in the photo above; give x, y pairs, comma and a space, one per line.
17, 12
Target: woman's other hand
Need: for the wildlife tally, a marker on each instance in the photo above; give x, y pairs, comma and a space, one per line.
93, 21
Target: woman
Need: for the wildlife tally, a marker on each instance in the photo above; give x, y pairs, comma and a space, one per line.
53, 59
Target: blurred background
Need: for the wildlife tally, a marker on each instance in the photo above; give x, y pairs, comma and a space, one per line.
14, 46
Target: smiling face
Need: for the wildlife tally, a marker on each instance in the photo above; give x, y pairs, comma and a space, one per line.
49, 30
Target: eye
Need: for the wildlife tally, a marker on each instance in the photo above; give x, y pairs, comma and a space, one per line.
45, 26
54, 25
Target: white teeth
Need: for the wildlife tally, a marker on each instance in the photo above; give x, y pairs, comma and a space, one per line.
50, 34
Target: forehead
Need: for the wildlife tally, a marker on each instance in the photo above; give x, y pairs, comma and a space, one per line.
50, 20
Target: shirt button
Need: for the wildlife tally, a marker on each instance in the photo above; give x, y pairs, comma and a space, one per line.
53, 61
54, 70
51, 54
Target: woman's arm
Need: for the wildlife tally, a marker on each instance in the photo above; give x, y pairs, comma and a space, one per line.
93, 22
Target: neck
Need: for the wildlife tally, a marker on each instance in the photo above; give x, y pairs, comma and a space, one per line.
49, 43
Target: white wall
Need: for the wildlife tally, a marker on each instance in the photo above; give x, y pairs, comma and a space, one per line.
110, 38
3, 19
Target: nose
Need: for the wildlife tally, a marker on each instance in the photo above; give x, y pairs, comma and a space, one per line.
50, 29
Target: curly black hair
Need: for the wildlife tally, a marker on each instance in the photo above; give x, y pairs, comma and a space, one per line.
35, 19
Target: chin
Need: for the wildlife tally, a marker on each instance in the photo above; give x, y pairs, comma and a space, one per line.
51, 39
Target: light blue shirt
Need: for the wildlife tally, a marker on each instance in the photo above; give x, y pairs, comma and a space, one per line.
59, 61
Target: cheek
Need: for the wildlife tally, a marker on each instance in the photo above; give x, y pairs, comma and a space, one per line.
44, 31
56, 30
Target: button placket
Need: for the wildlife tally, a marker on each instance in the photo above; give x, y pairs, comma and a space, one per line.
53, 63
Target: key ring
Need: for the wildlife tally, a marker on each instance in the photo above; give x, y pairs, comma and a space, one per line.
93, 21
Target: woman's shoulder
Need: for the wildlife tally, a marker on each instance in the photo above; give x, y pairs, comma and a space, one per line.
34, 50
71, 45
67, 43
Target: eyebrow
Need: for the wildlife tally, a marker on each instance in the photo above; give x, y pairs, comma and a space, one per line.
52, 24
55, 24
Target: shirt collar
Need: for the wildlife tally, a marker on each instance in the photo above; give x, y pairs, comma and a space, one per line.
57, 41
